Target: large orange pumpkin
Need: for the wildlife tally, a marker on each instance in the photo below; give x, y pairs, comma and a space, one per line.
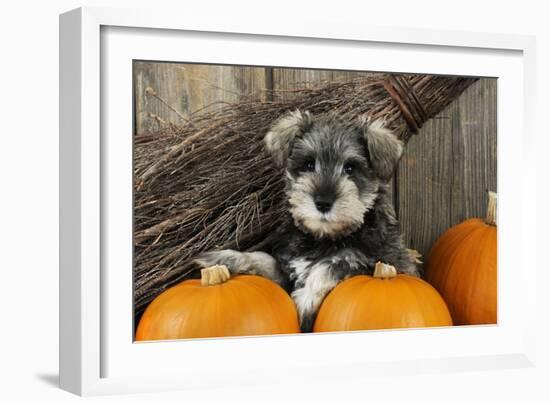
462, 266
385, 300
219, 305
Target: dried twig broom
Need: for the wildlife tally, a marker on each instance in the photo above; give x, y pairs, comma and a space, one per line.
210, 184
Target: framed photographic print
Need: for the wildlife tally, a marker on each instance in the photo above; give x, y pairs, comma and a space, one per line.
237, 199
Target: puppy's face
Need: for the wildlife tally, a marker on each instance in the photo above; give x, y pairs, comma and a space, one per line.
334, 170
330, 182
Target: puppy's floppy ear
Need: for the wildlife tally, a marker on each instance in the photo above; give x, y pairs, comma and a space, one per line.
385, 149
282, 133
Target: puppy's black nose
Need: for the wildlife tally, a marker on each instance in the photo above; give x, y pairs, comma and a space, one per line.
324, 203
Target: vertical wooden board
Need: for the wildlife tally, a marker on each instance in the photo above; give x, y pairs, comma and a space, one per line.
165, 80
448, 167
292, 78
172, 92
423, 183
491, 122
210, 86
474, 151
287, 79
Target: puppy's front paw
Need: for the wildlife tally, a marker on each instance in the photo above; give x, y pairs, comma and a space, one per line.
307, 305
412, 269
227, 257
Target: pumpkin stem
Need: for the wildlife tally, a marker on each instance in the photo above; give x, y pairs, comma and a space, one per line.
491, 217
383, 270
214, 275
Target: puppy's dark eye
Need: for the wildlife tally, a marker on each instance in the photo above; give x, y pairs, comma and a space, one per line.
309, 165
349, 168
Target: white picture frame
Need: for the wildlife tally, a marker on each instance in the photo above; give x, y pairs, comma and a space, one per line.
97, 355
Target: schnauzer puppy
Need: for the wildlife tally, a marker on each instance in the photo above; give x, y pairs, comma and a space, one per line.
340, 220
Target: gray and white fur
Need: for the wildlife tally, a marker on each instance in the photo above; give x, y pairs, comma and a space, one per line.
340, 220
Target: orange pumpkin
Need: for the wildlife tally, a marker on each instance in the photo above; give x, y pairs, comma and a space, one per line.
219, 305
462, 266
384, 301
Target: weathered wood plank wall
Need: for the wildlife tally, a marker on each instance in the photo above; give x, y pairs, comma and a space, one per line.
448, 167
171, 92
441, 180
